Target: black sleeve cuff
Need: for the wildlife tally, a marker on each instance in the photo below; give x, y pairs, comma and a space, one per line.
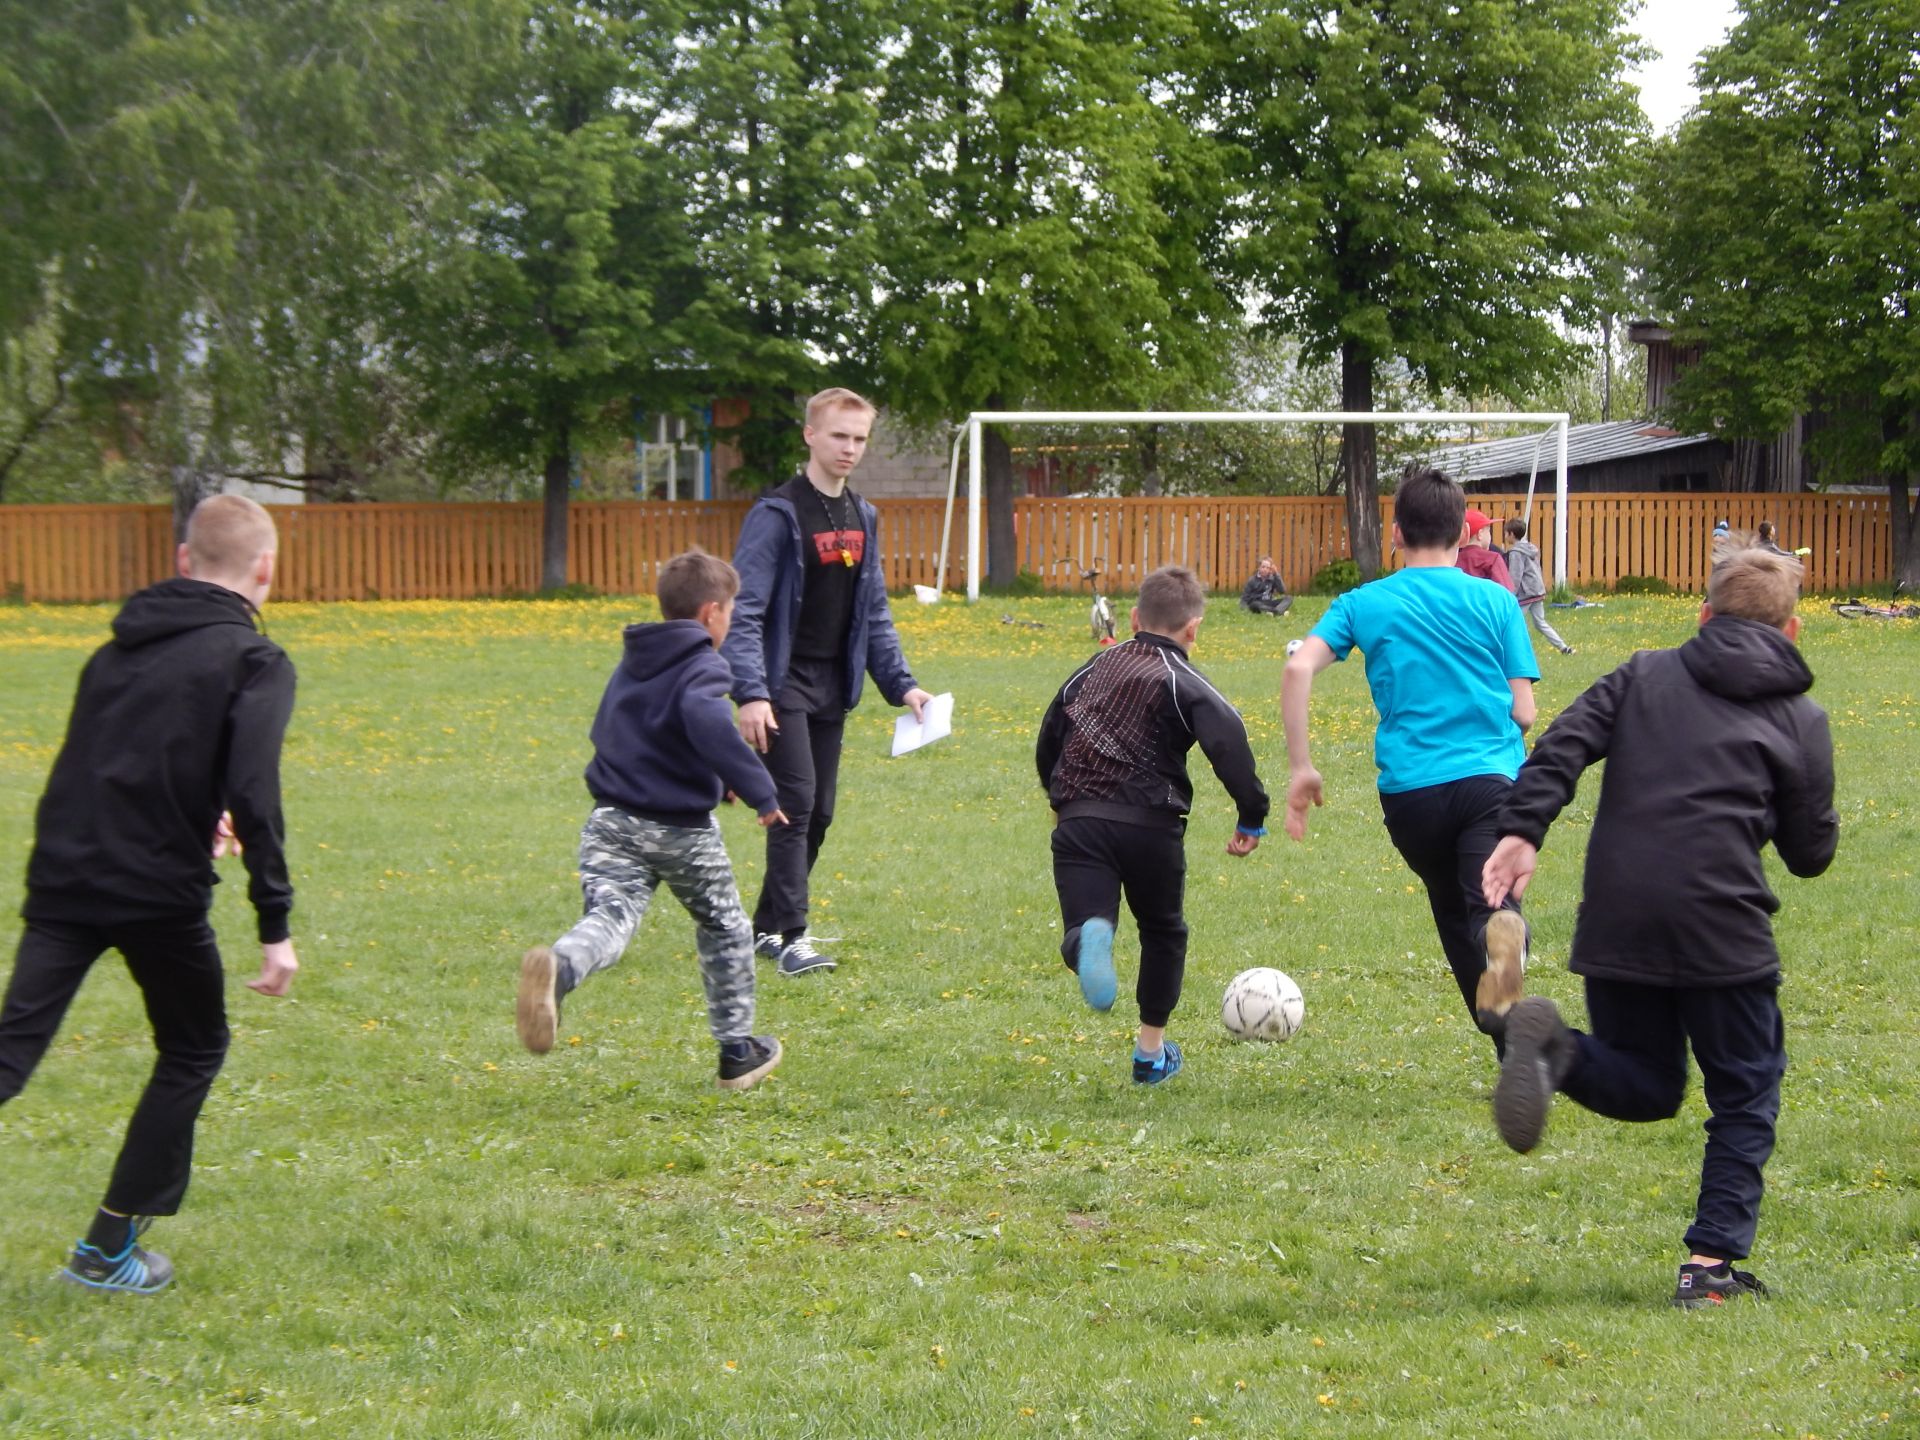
273, 923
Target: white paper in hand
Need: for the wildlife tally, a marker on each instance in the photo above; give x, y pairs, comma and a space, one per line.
911, 734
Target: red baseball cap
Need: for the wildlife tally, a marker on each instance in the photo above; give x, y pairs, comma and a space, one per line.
1476, 522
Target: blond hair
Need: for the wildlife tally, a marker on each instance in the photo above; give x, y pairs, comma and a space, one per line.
837, 398
226, 534
691, 580
1752, 584
1169, 598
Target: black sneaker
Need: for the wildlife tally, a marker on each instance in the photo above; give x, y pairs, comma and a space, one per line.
1540, 1051
1500, 982
134, 1270
767, 944
1714, 1285
744, 1061
798, 956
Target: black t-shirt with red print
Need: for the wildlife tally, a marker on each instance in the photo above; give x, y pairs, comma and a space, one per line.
833, 542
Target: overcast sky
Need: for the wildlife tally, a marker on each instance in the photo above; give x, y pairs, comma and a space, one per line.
1679, 30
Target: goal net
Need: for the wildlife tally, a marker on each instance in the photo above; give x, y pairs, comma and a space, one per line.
1549, 452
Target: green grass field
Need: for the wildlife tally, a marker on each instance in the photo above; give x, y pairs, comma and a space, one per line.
948, 1213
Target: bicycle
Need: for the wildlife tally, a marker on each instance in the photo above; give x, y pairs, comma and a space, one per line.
1857, 608
1100, 617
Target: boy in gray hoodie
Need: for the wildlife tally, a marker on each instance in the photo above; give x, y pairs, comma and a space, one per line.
1530, 582
665, 752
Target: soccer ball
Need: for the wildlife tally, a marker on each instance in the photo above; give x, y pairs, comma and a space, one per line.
1262, 1004
1293, 646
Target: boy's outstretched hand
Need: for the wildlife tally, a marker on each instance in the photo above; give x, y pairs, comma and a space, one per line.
1241, 843
1303, 790
773, 818
1508, 870
277, 964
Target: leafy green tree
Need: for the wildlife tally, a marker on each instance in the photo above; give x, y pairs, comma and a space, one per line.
218, 186
1783, 227
1043, 219
779, 117
1424, 180
544, 302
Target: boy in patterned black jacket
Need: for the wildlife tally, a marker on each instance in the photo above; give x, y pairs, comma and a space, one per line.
664, 753
1113, 758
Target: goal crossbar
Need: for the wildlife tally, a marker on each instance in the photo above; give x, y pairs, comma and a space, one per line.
969, 436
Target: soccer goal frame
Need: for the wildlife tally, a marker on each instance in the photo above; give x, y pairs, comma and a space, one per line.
968, 437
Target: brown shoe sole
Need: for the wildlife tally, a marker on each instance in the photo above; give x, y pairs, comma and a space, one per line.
536, 1014
742, 1082
1500, 983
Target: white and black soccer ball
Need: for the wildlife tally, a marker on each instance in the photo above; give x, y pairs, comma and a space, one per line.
1293, 647
1263, 1004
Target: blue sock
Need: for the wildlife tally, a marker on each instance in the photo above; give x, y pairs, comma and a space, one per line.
1152, 1059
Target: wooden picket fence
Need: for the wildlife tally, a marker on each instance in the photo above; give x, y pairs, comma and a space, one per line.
465, 551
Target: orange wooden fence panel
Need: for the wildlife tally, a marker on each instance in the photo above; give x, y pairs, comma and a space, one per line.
469, 550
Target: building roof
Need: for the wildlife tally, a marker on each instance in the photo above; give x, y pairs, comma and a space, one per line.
1586, 445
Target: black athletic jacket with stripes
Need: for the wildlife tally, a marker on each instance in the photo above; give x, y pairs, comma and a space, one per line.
1114, 742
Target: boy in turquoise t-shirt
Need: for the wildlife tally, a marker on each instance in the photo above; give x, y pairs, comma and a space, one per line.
1451, 671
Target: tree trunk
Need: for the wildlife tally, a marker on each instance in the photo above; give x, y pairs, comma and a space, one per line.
191, 485
1359, 461
1150, 461
553, 519
1003, 564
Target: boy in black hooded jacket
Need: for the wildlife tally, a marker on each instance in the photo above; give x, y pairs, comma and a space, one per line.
1712, 750
664, 752
177, 720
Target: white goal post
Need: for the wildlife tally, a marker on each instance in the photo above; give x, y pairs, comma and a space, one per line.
969, 435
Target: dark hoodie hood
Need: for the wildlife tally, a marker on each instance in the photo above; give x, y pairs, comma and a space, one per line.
173, 606
658, 647
1745, 660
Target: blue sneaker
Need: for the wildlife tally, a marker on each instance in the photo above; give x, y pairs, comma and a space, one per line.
1094, 964
136, 1271
1152, 1072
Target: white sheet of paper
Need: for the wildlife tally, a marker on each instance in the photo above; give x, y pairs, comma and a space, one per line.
911, 734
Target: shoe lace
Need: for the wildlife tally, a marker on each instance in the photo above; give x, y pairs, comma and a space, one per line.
802, 949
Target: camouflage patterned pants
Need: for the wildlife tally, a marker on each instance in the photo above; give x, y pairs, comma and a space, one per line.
623, 860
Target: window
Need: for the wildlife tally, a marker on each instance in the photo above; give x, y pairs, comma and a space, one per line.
671, 463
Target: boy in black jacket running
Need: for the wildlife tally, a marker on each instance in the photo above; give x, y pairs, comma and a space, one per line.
1712, 750
178, 719
664, 753
1113, 757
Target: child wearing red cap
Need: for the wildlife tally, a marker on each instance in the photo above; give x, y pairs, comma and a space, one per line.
1477, 555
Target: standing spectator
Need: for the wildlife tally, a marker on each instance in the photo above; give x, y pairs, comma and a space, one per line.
810, 624
1530, 582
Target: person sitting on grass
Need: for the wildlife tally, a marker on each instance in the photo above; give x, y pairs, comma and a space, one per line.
172, 755
1265, 593
1451, 672
1711, 750
1112, 756
664, 752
